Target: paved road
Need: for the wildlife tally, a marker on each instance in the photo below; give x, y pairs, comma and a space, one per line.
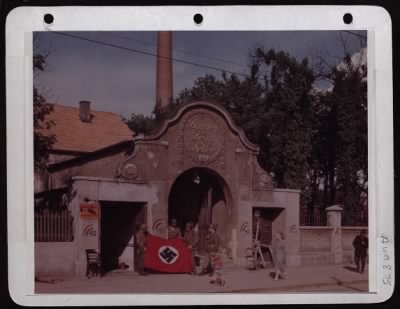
333, 278
345, 288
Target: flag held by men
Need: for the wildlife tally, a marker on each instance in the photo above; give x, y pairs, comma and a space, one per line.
167, 255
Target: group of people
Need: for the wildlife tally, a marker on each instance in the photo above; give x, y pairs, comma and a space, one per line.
212, 262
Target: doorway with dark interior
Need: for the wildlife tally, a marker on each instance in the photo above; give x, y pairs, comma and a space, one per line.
262, 222
119, 222
197, 196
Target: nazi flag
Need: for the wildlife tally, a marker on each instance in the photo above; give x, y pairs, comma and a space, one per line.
167, 255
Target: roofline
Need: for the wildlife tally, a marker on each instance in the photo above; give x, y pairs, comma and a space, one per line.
86, 157
197, 104
77, 107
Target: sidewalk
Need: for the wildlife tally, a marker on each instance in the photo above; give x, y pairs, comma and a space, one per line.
237, 281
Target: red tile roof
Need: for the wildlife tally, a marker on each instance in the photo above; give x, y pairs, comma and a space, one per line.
72, 134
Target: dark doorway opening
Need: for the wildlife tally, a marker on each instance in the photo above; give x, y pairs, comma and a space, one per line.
262, 229
119, 223
197, 196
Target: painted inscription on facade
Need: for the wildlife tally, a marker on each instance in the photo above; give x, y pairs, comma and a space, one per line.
203, 138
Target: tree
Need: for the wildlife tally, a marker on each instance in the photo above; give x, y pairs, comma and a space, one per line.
287, 117
41, 108
349, 104
340, 155
141, 124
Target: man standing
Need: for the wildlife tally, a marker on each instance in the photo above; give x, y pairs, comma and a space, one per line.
174, 230
141, 243
360, 245
190, 239
212, 248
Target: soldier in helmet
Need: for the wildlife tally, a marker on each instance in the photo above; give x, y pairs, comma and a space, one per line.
141, 244
174, 230
190, 239
212, 247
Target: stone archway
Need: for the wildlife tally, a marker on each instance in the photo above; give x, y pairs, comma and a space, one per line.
199, 195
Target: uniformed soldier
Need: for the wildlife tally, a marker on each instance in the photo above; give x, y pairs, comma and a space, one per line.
212, 240
212, 248
141, 243
190, 239
174, 230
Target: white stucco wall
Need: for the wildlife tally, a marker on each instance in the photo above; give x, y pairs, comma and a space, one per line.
55, 258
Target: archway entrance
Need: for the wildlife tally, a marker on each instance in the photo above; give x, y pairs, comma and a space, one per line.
198, 196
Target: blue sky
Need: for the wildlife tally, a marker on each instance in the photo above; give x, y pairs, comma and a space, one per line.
123, 81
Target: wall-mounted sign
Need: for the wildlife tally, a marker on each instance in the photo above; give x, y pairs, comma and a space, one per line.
88, 211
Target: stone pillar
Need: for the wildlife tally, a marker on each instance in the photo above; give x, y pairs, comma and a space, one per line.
334, 219
292, 232
164, 70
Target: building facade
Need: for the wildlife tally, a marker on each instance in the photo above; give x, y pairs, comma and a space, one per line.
198, 167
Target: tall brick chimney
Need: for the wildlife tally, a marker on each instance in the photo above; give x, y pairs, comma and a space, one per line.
164, 70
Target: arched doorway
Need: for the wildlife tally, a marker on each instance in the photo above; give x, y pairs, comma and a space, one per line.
199, 195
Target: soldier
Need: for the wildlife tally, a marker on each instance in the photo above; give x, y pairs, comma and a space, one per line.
141, 243
190, 239
174, 230
212, 248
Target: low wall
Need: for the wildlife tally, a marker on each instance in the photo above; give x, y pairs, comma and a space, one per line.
315, 238
348, 235
55, 258
315, 245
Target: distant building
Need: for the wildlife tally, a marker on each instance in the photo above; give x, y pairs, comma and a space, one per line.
78, 131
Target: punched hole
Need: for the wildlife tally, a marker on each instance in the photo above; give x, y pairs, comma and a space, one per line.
48, 18
347, 18
198, 18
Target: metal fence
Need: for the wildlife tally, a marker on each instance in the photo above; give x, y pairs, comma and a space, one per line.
312, 219
320, 219
355, 219
54, 227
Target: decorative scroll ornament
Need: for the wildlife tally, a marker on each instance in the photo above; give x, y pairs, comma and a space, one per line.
130, 171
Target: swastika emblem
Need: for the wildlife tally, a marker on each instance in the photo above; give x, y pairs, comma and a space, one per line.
168, 254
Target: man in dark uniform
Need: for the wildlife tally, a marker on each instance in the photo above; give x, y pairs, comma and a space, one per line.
190, 239
174, 230
360, 245
141, 243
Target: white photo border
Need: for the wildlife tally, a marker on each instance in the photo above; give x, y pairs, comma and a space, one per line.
23, 21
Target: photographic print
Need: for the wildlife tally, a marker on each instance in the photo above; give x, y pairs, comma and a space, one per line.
200, 161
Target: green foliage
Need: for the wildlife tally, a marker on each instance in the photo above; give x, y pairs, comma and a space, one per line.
141, 124
348, 105
41, 108
286, 148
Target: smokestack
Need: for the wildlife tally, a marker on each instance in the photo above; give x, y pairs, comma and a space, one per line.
84, 111
164, 70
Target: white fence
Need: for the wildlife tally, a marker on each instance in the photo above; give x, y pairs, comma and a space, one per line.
54, 227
